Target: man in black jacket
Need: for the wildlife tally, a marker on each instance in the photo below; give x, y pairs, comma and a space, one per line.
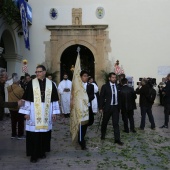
127, 105
166, 92
144, 90
109, 106
90, 92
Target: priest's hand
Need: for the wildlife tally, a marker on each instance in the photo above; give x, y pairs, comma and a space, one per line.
27, 117
54, 117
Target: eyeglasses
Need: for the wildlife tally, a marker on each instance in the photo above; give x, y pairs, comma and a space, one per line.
38, 72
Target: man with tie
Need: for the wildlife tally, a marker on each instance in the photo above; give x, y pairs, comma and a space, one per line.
109, 106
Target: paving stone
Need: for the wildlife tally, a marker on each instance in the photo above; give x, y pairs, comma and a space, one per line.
148, 149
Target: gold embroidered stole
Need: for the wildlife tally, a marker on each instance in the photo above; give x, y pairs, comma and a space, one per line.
41, 115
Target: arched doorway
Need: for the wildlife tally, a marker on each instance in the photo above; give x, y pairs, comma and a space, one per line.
68, 59
3, 63
12, 58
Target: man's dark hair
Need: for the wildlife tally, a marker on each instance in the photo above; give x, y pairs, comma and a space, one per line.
65, 74
27, 75
83, 72
90, 78
124, 81
41, 66
14, 74
33, 76
122, 76
112, 73
49, 75
22, 78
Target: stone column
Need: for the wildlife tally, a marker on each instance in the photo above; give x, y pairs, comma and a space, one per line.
13, 63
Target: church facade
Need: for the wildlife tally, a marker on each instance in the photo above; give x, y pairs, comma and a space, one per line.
135, 32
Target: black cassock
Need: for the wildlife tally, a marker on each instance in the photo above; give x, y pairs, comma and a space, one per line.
37, 143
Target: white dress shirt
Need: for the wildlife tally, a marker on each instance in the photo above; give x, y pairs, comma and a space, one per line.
115, 89
84, 85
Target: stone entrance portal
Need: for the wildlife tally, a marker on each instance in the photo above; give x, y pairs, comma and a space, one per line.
93, 37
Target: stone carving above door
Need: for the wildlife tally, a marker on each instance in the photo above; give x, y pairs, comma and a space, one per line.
77, 16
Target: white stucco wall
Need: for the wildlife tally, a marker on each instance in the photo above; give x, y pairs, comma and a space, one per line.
139, 31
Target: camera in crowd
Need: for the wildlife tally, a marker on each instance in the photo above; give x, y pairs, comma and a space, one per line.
150, 81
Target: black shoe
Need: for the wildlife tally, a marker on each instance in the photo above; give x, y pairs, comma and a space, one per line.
126, 131
119, 142
43, 156
164, 126
102, 137
83, 148
133, 131
33, 160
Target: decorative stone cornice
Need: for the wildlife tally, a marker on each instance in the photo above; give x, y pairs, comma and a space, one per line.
13, 57
76, 27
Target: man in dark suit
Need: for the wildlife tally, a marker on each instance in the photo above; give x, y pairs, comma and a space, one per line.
109, 106
127, 105
90, 92
144, 90
166, 93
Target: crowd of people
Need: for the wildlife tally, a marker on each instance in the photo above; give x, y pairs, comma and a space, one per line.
38, 100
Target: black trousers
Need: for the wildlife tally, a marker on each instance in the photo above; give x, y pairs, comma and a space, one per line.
166, 112
161, 97
147, 110
83, 129
37, 143
17, 118
81, 135
128, 115
114, 112
1, 113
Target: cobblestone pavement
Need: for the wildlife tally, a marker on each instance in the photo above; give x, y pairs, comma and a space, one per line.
148, 149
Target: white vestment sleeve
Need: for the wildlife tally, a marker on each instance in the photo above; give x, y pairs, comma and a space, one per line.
26, 109
60, 89
55, 108
96, 89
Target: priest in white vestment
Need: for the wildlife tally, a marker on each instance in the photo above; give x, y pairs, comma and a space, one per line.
40, 109
64, 89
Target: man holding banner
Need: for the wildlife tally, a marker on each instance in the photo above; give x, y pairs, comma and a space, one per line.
81, 112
